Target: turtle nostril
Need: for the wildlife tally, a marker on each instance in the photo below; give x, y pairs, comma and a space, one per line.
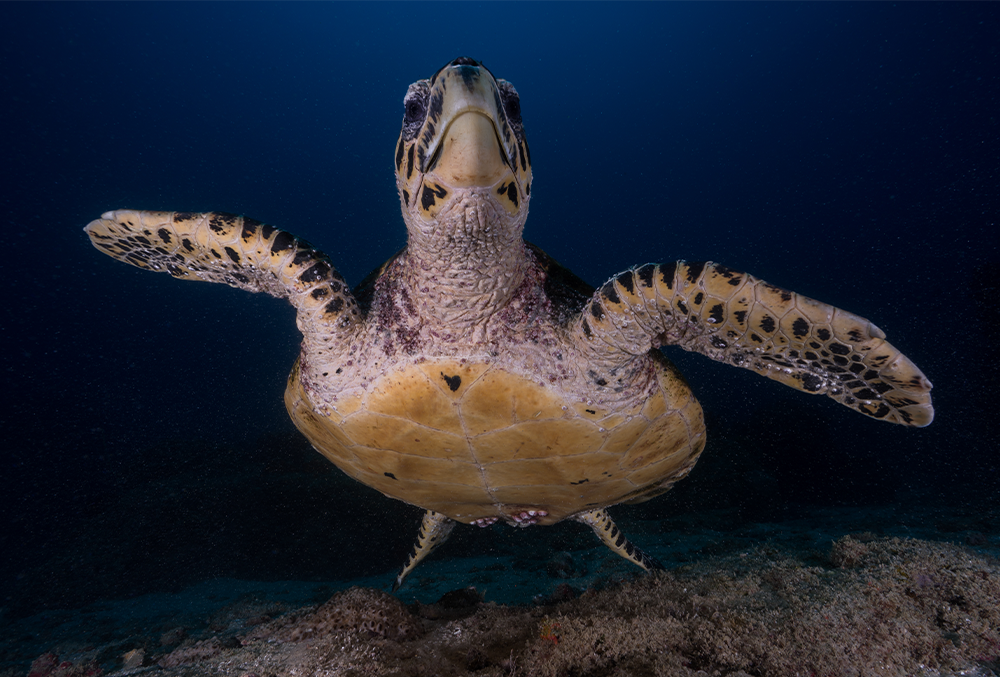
464, 61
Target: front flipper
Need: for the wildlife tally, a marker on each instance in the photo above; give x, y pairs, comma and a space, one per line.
600, 521
435, 529
735, 318
233, 250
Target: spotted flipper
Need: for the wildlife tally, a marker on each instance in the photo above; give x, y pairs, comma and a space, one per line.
611, 536
233, 250
735, 318
435, 529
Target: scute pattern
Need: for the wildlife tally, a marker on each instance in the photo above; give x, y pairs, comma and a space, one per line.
498, 444
736, 318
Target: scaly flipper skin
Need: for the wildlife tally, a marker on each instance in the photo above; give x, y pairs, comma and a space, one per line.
738, 319
600, 521
434, 530
233, 250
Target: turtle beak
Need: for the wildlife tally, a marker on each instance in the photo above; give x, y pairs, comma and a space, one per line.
466, 142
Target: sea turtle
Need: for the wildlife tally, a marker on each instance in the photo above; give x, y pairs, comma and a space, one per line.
475, 377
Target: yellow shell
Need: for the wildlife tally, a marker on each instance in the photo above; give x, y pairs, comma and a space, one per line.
474, 441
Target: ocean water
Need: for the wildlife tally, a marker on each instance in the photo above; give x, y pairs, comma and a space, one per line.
846, 151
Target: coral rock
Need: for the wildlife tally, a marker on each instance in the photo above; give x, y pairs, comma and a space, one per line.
360, 610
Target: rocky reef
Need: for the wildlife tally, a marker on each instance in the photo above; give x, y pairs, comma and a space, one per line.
867, 606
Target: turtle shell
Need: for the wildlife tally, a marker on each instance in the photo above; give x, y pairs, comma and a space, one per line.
474, 441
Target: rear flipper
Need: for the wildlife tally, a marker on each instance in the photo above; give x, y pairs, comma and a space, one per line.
736, 318
435, 529
611, 536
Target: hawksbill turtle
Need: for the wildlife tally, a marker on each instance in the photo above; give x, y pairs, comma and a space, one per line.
472, 375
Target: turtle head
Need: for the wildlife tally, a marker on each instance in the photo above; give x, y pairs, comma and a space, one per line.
462, 160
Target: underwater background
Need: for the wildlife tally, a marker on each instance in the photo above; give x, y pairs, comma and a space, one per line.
847, 151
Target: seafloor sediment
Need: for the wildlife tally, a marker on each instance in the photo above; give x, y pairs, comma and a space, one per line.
869, 606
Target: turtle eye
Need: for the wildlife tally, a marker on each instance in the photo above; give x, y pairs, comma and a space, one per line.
512, 104
414, 111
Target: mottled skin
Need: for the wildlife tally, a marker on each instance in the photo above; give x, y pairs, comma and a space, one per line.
475, 377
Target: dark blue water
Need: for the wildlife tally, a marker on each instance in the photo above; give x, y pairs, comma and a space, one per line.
845, 151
